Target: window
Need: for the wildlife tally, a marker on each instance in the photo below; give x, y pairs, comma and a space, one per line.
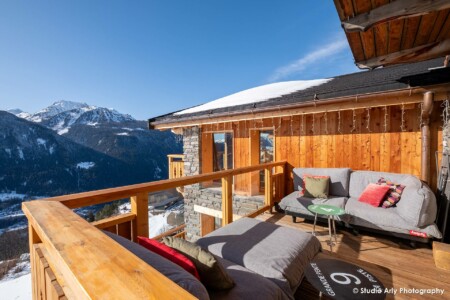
217, 153
265, 152
222, 151
262, 151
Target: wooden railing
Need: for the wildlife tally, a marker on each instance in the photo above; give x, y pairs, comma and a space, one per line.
87, 264
176, 165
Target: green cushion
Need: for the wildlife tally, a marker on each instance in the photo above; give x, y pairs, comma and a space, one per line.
211, 271
316, 187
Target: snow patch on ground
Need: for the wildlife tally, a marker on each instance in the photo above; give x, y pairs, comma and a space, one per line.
16, 289
157, 222
19, 150
122, 133
11, 195
7, 150
86, 165
63, 131
51, 150
92, 123
257, 94
41, 142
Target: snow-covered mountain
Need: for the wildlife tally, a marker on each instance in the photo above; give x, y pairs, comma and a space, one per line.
56, 108
62, 115
19, 113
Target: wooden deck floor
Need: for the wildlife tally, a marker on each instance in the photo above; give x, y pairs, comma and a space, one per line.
391, 260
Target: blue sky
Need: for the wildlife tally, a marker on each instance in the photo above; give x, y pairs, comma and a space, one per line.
148, 58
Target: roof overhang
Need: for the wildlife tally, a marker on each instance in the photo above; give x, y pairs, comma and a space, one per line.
382, 33
361, 101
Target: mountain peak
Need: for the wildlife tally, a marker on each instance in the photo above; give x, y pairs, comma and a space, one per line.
19, 113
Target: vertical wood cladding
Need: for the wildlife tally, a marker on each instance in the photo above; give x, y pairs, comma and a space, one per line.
373, 139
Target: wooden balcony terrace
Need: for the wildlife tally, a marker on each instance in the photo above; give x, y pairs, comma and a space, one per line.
74, 259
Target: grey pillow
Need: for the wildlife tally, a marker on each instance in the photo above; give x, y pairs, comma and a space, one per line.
211, 271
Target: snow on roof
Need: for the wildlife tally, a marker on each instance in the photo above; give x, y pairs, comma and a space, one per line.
257, 94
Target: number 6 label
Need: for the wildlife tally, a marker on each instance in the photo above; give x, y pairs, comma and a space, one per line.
347, 278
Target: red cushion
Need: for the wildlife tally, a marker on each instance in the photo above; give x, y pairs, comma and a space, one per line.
169, 253
374, 194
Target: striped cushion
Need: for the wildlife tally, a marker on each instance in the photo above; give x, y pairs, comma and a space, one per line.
393, 195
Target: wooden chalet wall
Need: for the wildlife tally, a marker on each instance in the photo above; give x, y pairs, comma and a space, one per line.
375, 140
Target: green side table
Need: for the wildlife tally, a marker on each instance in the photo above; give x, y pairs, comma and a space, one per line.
330, 211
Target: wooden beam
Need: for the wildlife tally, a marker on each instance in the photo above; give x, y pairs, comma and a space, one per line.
91, 264
139, 207
395, 10
227, 200
425, 52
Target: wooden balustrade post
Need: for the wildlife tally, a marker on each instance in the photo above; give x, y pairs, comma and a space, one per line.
170, 167
268, 188
33, 239
227, 200
139, 207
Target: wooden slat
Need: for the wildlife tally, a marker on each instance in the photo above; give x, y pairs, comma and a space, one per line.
227, 200
82, 252
207, 224
394, 10
440, 20
420, 53
125, 230
115, 220
410, 30
139, 207
268, 190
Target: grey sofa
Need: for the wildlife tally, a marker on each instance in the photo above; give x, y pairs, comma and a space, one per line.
266, 261
413, 217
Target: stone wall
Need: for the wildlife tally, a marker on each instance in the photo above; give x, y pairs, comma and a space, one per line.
207, 197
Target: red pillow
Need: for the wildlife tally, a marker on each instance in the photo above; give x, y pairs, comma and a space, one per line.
169, 253
374, 194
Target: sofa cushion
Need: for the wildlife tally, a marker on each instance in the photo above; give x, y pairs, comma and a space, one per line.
211, 271
383, 219
299, 204
164, 266
278, 253
169, 253
418, 205
374, 194
316, 187
394, 194
339, 179
248, 285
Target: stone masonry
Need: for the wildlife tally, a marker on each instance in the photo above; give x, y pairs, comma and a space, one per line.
207, 197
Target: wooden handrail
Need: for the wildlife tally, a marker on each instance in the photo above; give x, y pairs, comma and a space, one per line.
169, 232
176, 156
111, 194
88, 262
